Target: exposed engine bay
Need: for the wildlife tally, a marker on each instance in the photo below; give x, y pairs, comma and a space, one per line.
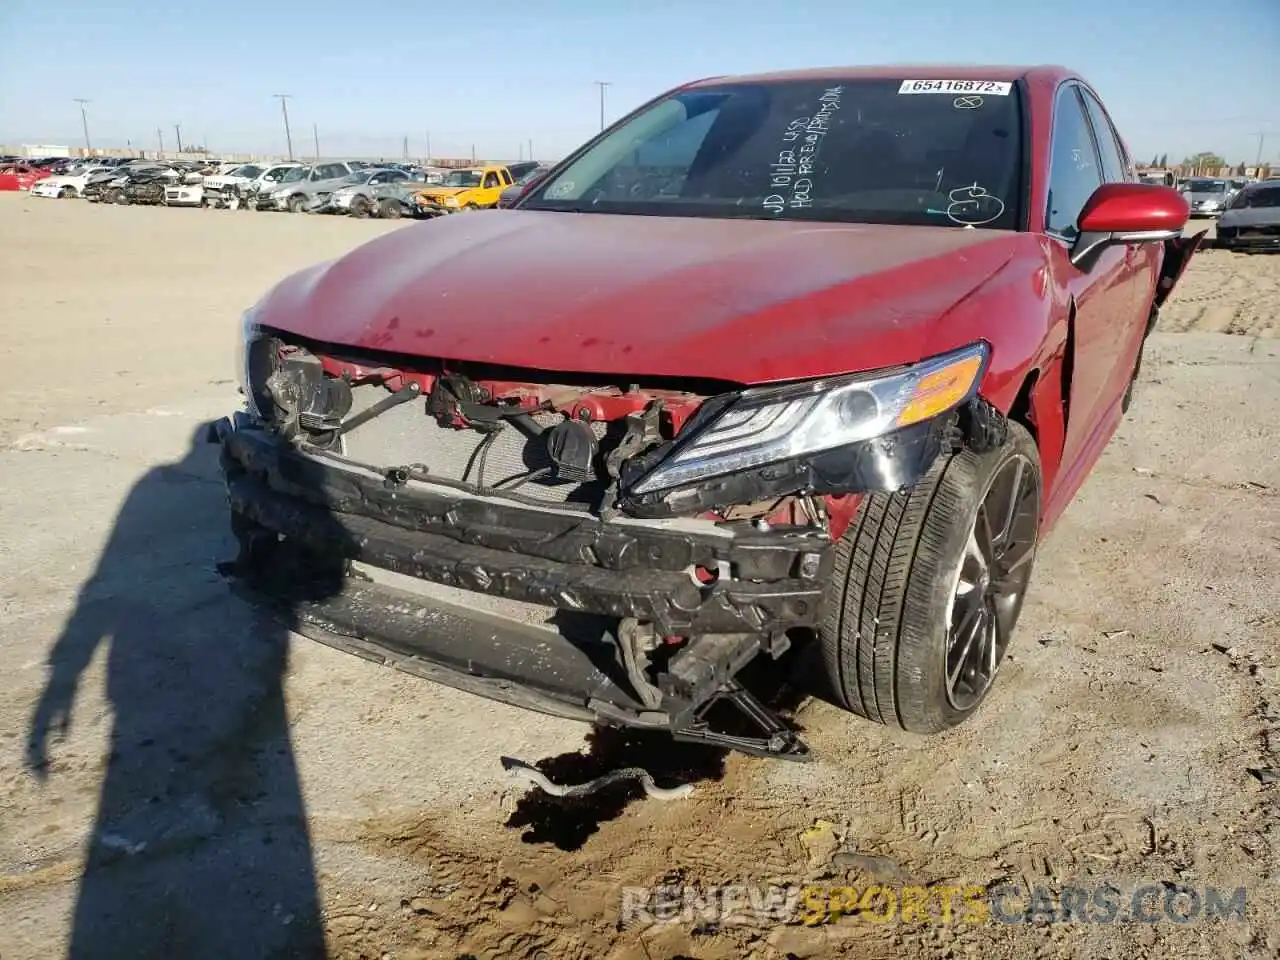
486, 480
573, 446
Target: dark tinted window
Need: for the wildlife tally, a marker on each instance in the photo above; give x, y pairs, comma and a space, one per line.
852, 150
1257, 198
1073, 168
1113, 165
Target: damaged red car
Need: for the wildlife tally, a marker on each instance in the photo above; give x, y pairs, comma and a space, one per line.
804, 356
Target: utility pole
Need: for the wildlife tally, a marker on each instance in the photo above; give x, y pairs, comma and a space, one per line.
406, 148
177, 128
84, 120
1261, 139
284, 109
530, 149
427, 158
473, 153
602, 84
315, 137
160, 137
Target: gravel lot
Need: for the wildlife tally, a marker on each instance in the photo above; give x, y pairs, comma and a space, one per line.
222, 790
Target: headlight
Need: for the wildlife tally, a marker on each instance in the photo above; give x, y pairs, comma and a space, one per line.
251, 333
771, 424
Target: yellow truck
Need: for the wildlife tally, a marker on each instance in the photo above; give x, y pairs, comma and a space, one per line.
475, 189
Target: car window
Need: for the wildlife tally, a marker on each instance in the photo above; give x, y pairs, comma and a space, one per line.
506, 177
1205, 186
1113, 165
866, 150
1257, 198
395, 176
1073, 166
490, 180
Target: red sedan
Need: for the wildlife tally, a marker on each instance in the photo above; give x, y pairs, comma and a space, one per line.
20, 176
805, 355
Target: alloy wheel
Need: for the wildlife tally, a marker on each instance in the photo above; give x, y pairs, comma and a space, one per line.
991, 581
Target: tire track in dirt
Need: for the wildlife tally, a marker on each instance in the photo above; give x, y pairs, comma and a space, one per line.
1224, 292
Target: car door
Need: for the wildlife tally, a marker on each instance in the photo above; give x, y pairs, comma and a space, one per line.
1102, 294
1142, 260
490, 188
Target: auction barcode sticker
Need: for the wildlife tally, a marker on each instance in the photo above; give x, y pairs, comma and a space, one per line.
994, 88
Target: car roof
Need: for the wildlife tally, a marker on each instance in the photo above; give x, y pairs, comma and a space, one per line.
932, 71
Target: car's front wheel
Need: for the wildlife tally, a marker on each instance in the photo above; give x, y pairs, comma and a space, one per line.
297, 203
929, 584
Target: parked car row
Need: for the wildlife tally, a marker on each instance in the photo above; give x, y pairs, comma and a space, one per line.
356, 188
1209, 196
1251, 221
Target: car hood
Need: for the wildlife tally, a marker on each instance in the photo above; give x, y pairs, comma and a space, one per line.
1250, 217
738, 300
310, 186
436, 191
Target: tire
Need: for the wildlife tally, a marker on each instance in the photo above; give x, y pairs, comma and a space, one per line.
360, 207
469, 208
116, 196
390, 209
899, 567
297, 203
66, 193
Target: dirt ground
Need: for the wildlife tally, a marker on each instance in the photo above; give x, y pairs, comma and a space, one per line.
234, 791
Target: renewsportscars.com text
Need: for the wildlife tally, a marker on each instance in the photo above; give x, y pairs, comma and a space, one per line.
1094, 903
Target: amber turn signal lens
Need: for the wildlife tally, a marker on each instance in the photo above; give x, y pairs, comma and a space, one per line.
940, 391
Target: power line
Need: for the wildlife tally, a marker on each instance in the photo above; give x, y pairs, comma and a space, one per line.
284, 109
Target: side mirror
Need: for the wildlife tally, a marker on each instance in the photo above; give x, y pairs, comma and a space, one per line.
1128, 213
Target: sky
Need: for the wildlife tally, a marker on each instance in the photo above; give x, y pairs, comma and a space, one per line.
1178, 76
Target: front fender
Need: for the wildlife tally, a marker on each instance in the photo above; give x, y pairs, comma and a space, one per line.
1177, 255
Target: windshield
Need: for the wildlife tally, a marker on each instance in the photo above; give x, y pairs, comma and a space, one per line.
462, 178
361, 177
294, 174
1257, 198
855, 151
1207, 186
532, 174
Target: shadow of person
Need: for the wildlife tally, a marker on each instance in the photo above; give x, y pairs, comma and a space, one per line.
200, 847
